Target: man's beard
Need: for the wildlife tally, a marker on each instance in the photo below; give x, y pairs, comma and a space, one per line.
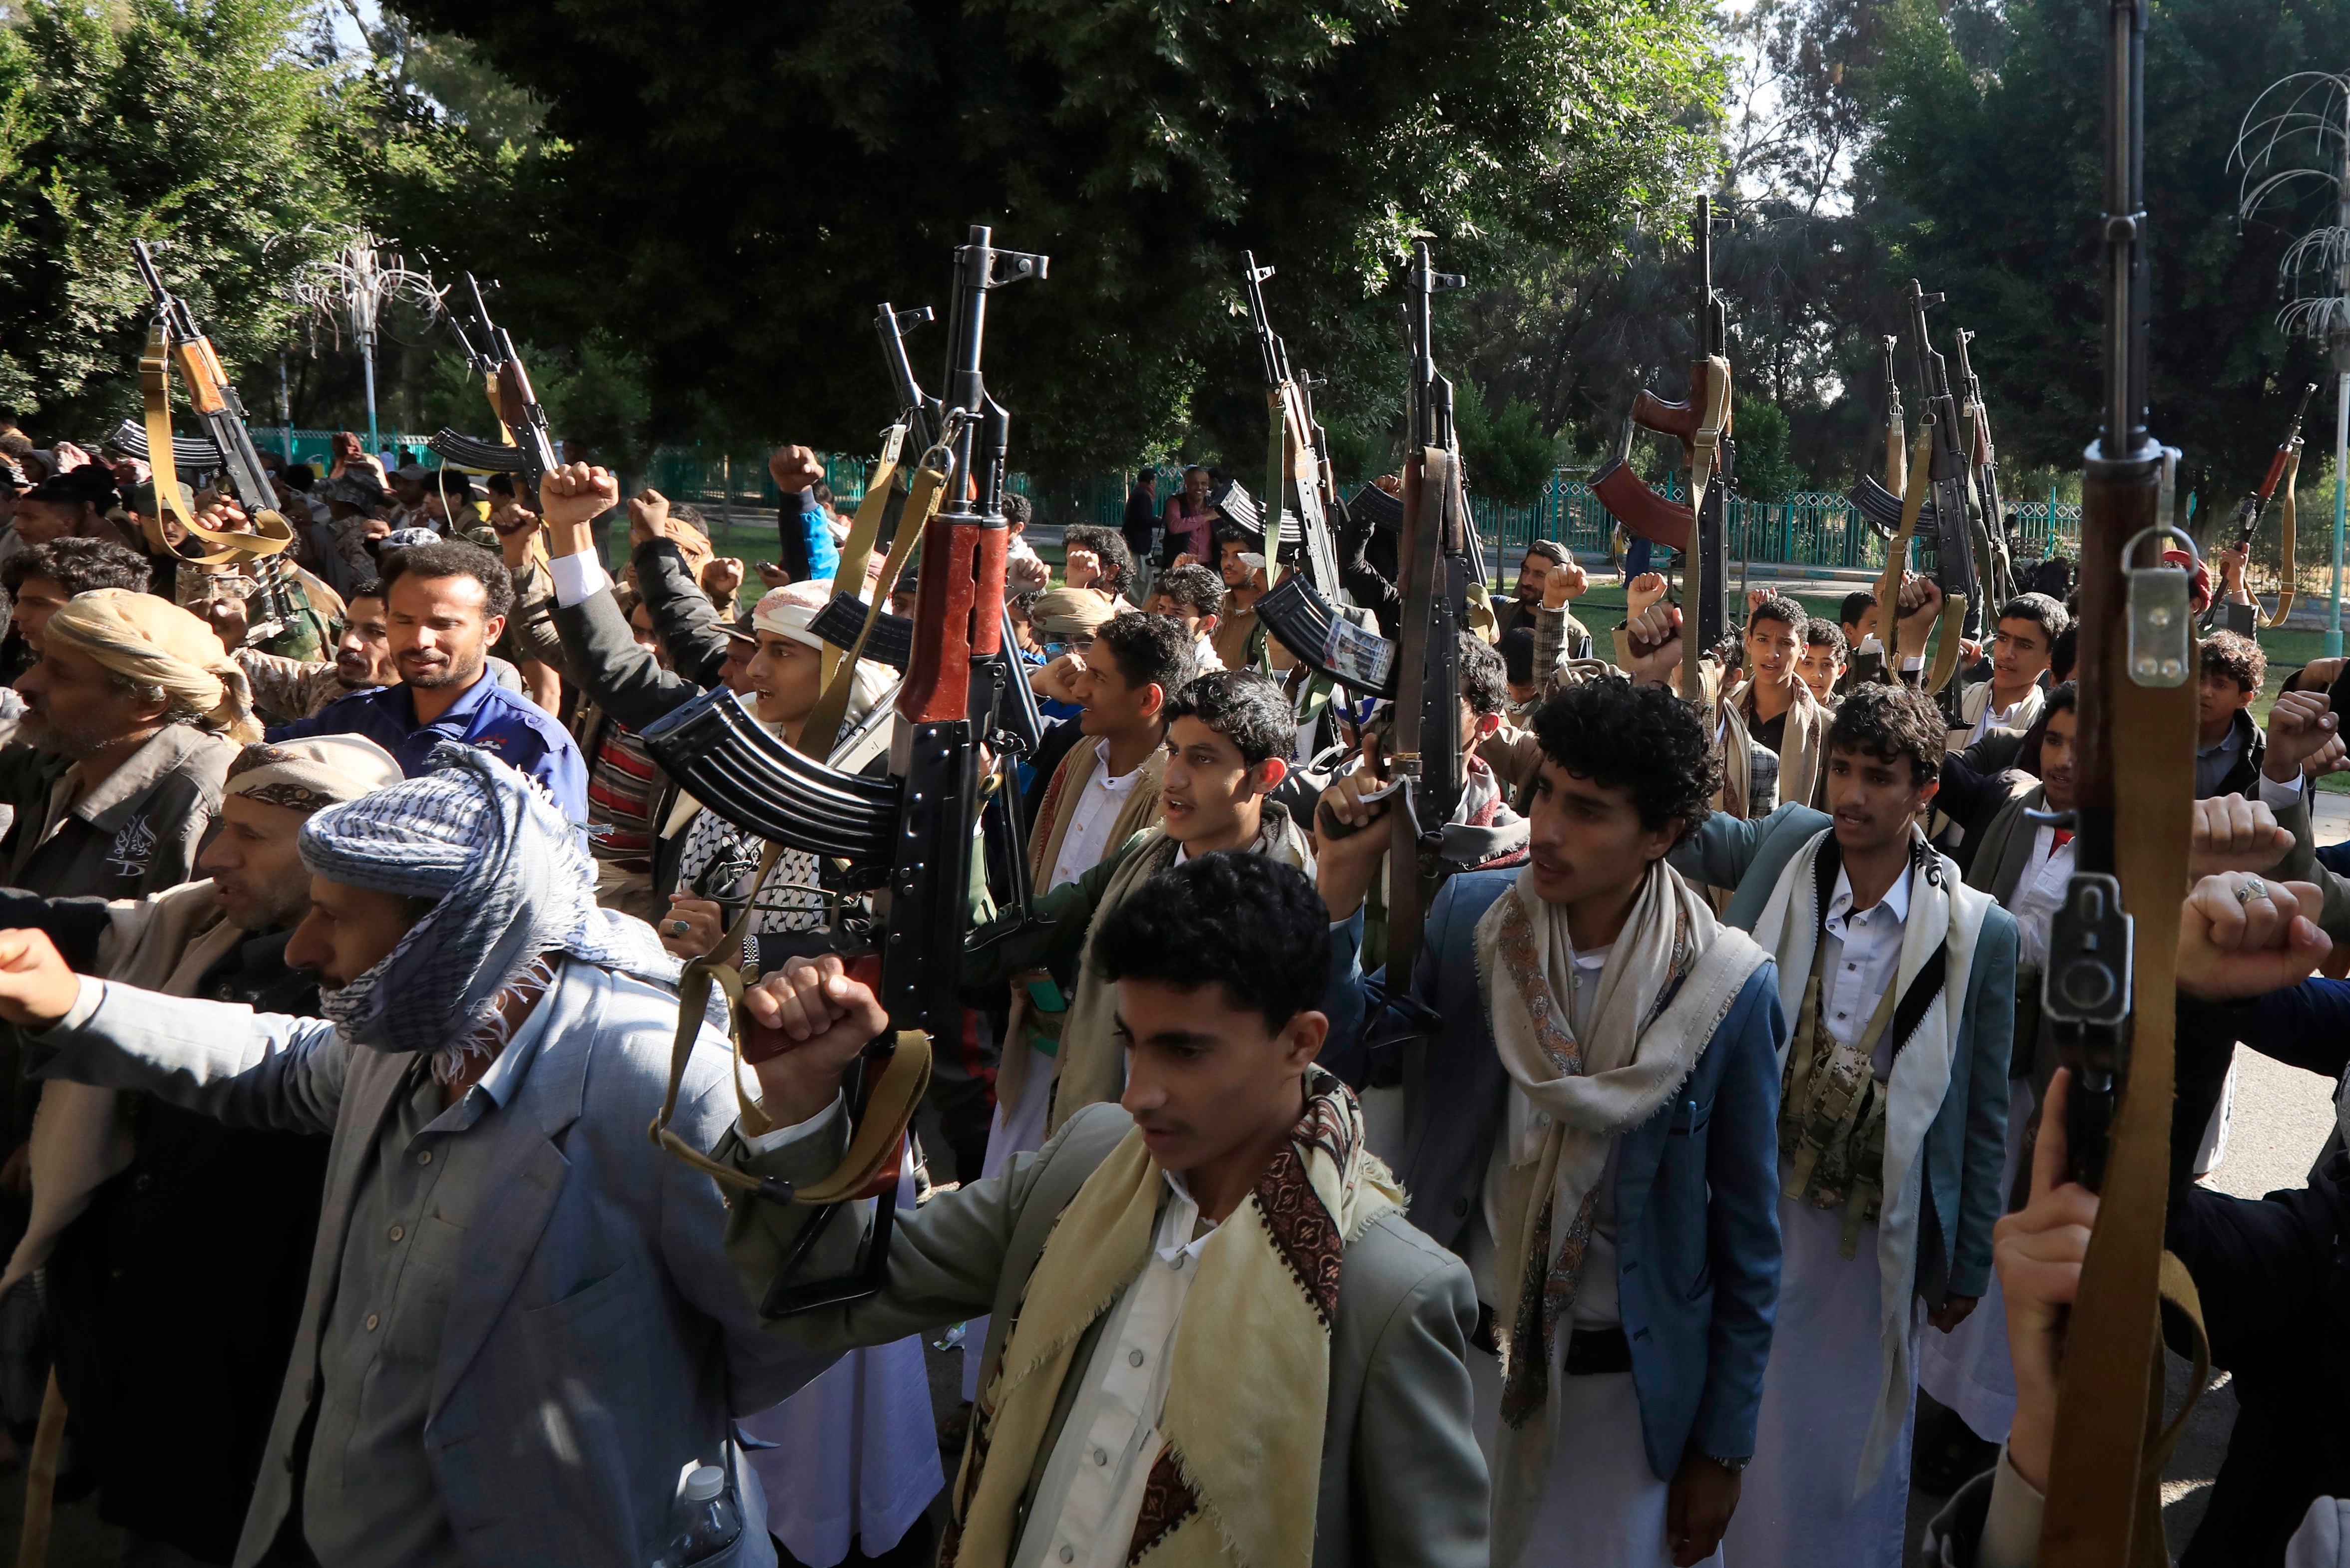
455, 673
45, 734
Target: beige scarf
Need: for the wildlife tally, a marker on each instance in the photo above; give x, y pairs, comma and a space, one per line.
1067, 787
1248, 1388
1668, 981
1803, 750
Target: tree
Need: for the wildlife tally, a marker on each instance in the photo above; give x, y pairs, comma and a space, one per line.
739, 187
183, 124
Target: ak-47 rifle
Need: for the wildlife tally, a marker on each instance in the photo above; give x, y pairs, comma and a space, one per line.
1991, 537
1897, 438
526, 449
1702, 426
174, 337
1940, 509
2285, 462
2109, 977
906, 838
1295, 473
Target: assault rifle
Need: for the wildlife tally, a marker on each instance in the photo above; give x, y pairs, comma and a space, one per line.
1943, 515
2255, 502
2108, 981
227, 451
526, 450
1702, 426
1897, 438
906, 838
1990, 537
1295, 473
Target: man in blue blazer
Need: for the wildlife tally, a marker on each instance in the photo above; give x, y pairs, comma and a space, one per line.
1591, 1112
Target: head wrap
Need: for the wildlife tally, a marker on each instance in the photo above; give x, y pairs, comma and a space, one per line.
156, 643
1072, 612
789, 610
404, 538
513, 885
310, 774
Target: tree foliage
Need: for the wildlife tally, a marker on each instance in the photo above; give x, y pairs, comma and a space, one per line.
179, 123
738, 189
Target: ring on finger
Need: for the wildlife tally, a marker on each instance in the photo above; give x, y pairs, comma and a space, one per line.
679, 927
2251, 887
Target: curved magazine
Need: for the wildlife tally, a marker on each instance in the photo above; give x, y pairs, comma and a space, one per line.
725, 760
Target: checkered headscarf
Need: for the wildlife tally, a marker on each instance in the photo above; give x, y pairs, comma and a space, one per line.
513, 885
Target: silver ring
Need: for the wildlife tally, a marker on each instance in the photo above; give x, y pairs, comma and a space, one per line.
679, 927
2251, 889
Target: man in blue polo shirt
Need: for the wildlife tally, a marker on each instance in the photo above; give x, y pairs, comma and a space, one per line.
447, 603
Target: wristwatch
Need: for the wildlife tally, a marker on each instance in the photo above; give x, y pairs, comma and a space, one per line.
1733, 1465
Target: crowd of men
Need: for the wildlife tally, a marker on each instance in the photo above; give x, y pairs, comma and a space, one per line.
1712, 1122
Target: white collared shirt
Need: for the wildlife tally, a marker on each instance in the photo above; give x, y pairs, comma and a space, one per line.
1860, 957
2038, 894
1998, 718
1091, 817
1092, 1491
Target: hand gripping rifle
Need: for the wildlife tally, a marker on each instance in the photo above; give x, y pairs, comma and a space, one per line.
229, 451
2108, 982
1294, 471
2283, 466
908, 838
1702, 426
525, 448
1991, 537
1936, 501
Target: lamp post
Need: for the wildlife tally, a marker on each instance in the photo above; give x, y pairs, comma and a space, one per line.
352, 288
2296, 133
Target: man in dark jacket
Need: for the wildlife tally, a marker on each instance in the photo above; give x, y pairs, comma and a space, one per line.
2228, 744
173, 1298
1141, 513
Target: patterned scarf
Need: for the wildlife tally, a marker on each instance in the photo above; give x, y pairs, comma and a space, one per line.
513, 885
1669, 980
1249, 1380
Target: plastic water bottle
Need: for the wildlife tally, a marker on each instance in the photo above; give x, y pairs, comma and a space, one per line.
703, 1522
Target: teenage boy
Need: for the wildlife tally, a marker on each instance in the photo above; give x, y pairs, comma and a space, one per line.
1825, 654
1240, 641
1899, 984
1102, 794
1228, 740
1312, 1405
1194, 597
1590, 1125
1774, 706
2228, 745
2029, 626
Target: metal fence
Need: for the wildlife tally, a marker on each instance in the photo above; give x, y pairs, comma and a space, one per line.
1816, 530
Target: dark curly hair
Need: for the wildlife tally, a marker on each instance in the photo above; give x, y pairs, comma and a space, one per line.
1109, 547
2237, 657
1889, 722
1642, 740
2064, 699
1018, 510
1245, 708
1235, 918
1484, 680
451, 558
2041, 611
76, 565
1197, 588
1821, 632
1781, 609
1147, 648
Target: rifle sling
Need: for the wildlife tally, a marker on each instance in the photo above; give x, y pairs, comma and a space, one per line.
2287, 541
1953, 613
872, 1158
271, 533
857, 551
824, 722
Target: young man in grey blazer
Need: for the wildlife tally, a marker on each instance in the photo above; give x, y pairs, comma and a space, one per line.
1215, 1337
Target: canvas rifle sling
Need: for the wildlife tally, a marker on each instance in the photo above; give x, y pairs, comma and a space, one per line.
271, 533
1953, 613
871, 1163
857, 552
831, 711
2286, 541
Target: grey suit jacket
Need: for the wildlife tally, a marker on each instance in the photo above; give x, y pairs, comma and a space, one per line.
597, 1340
1744, 858
1403, 1484
2300, 864
620, 672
